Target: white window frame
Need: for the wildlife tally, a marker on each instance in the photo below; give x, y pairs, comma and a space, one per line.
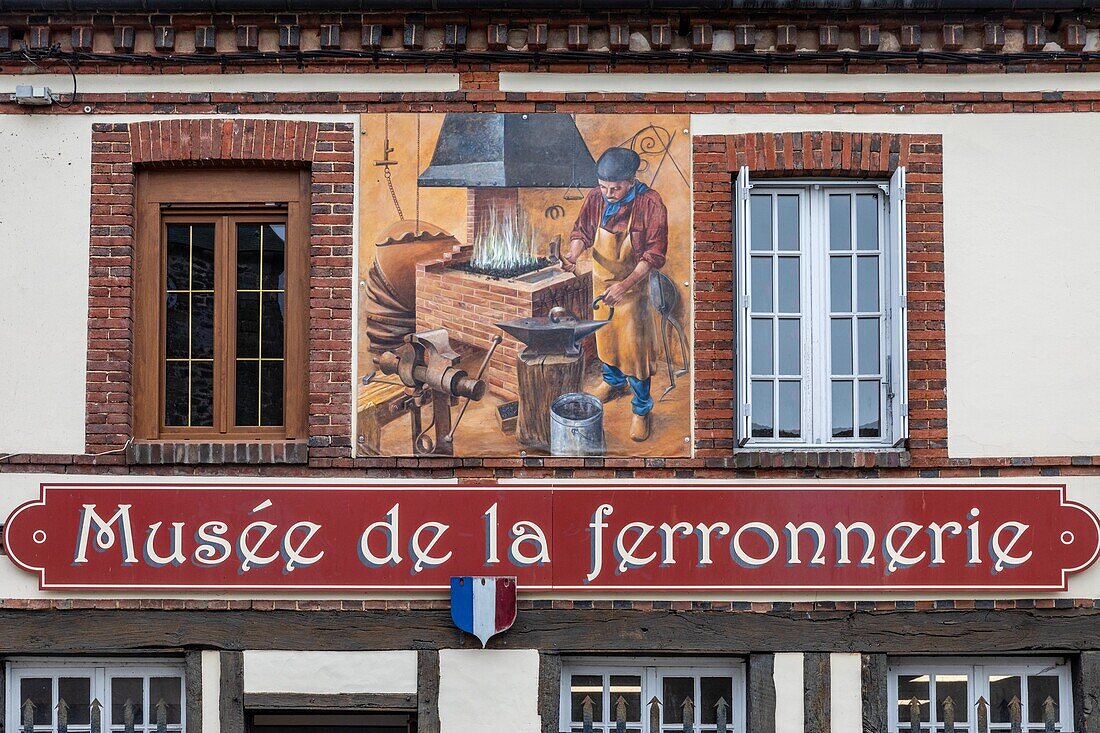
979, 670
814, 288
653, 670
101, 672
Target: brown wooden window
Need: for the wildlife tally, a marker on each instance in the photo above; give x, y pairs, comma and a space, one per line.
221, 305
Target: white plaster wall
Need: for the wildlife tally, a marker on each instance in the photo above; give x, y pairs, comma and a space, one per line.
845, 693
330, 672
197, 83
790, 692
1022, 261
45, 184
489, 690
211, 692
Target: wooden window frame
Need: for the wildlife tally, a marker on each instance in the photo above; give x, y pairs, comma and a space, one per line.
164, 196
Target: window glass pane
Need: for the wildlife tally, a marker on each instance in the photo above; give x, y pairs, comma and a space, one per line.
248, 256
840, 284
248, 393
582, 686
40, 692
123, 690
1002, 689
788, 285
202, 326
711, 689
178, 257
177, 380
953, 686
841, 345
760, 220
761, 285
842, 409
790, 410
202, 393
271, 393
628, 687
77, 694
177, 325
762, 420
248, 325
867, 283
272, 318
168, 689
1039, 688
202, 256
274, 257
840, 221
788, 222
869, 423
867, 221
912, 687
762, 346
868, 346
676, 691
789, 346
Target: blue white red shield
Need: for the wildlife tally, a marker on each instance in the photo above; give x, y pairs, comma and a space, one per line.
483, 606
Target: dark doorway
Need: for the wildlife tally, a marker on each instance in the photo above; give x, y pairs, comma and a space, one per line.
305, 721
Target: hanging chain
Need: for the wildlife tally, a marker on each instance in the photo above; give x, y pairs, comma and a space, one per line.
417, 172
386, 169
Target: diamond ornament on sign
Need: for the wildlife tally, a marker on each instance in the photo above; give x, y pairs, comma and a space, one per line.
483, 605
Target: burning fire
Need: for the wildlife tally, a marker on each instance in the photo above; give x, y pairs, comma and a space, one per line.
505, 241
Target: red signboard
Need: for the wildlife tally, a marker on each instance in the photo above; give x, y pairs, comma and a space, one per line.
705, 537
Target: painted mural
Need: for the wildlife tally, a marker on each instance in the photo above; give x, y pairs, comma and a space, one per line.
524, 285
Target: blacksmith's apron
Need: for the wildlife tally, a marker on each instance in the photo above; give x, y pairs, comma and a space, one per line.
629, 342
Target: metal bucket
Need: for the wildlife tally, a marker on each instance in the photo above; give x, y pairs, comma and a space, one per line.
576, 425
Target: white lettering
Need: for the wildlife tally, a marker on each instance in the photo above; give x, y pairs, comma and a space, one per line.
1004, 555
390, 527
104, 535
741, 557
423, 554
627, 558
897, 554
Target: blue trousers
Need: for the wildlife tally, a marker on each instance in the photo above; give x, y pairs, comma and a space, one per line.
641, 403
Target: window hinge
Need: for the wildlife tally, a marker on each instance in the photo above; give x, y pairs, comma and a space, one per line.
746, 410
905, 409
744, 301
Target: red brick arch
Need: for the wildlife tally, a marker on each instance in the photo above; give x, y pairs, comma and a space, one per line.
859, 154
179, 142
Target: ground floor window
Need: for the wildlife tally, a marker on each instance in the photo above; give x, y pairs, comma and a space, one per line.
653, 695
1028, 692
84, 696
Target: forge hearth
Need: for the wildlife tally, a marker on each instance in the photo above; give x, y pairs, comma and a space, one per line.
469, 305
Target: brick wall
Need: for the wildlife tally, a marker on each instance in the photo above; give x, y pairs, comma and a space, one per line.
117, 151
109, 326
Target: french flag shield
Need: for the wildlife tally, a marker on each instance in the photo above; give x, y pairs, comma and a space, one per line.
483, 606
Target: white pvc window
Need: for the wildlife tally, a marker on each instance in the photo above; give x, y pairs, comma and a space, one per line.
931, 682
638, 681
142, 689
821, 320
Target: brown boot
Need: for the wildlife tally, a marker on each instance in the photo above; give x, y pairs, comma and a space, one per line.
639, 428
604, 392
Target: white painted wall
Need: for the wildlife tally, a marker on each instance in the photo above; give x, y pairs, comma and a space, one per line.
330, 672
211, 692
489, 690
790, 692
44, 232
1022, 261
845, 693
197, 83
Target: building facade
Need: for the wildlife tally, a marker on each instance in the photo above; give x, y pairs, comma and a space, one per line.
750, 347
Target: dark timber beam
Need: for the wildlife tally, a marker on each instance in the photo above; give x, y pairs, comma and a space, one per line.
549, 691
875, 702
366, 702
193, 696
817, 682
1016, 631
427, 691
232, 692
761, 702
1086, 691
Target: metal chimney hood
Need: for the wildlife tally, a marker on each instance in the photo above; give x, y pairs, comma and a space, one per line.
510, 150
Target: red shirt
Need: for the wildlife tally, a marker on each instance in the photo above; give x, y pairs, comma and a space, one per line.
648, 231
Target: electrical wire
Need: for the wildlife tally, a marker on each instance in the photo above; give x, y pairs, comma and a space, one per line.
547, 58
127, 444
54, 52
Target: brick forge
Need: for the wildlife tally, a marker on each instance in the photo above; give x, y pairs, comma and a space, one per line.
468, 306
